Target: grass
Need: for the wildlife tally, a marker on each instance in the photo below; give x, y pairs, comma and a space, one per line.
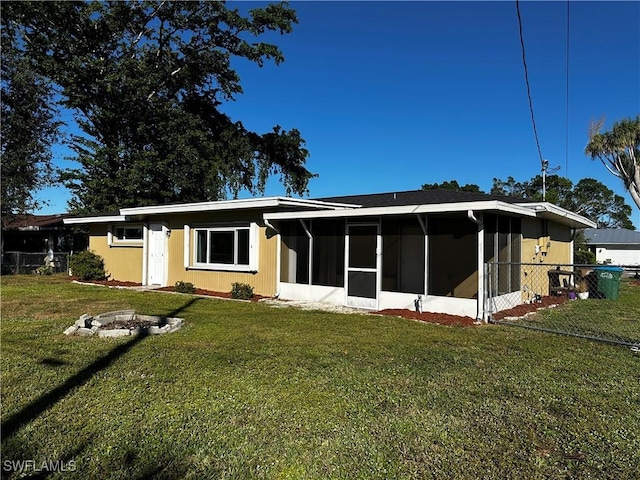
613, 320
249, 391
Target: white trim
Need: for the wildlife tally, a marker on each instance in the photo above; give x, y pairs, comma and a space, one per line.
266, 202
190, 247
490, 205
186, 240
103, 219
145, 252
553, 212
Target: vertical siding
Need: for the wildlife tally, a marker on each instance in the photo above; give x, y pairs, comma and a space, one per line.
554, 244
263, 281
122, 263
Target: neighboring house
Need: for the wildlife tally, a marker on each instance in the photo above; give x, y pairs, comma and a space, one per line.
40, 234
614, 245
31, 241
369, 251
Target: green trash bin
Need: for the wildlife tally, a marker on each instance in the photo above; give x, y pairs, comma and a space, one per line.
609, 281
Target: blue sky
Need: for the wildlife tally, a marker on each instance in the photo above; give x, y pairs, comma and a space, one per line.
392, 95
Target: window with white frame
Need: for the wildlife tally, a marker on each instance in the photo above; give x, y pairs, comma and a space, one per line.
224, 247
125, 234
128, 233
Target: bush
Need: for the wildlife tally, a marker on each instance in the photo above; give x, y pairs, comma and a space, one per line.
87, 265
584, 257
44, 270
241, 291
184, 287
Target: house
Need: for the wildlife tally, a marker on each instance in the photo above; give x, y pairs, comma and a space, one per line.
618, 246
37, 234
30, 241
386, 250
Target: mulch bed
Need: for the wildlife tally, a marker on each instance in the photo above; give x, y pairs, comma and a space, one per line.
438, 318
209, 293
109, 283
522, 310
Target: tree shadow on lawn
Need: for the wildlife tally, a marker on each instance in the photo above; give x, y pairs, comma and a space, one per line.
30, 412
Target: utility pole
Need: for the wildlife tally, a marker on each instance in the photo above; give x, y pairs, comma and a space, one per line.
545, 167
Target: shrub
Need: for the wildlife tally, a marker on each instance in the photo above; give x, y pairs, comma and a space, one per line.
87, 265
184, 287
584, 257
44, 270
241, 291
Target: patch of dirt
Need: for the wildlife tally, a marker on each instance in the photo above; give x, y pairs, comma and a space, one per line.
131, 324
522, 310
429, 317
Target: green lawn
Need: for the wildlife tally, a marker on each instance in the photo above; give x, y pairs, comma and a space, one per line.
245, 390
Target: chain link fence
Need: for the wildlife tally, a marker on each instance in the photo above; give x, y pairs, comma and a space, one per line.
25, 262
527, 294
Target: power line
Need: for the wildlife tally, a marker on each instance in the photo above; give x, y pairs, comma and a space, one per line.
526, 79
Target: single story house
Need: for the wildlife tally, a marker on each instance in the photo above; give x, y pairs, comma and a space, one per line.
618, 246
386, 250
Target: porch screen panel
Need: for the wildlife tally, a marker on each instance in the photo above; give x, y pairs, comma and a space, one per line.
362, 284
516, 253
294, 259
328, 252
504, 254
362, 246
402, 256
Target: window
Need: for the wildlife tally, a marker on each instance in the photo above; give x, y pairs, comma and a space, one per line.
224, 248
129, 235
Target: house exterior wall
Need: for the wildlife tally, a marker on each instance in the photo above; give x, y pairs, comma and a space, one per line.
618, 254
125, 263
263, 281
546, 242
122, 262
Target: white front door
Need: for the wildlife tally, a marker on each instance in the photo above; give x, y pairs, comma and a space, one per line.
156, 251
362, 265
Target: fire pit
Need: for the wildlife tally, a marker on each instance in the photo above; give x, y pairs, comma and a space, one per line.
123, 323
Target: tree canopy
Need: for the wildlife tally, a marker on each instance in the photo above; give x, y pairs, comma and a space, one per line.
146, 80
452, 185
588, 197
28, 128
619, 151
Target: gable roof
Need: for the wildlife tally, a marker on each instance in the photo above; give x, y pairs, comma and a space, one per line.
612, 236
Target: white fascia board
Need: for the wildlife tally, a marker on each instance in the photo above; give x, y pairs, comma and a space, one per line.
553, 212
241, 204
491, 205
102, 219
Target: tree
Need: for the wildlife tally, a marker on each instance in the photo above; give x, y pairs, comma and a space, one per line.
146, 81
599, 203
452, 185
588, 197
619, 151
28, 129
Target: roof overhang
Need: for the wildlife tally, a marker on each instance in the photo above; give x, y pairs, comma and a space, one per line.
483, 206
241, 204
99, 219
549, 211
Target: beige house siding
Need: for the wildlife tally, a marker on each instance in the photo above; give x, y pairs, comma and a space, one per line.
125, 263
263, 281
122, 262
553, 241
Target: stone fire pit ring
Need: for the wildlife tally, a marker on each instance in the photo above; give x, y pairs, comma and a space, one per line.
122, 323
